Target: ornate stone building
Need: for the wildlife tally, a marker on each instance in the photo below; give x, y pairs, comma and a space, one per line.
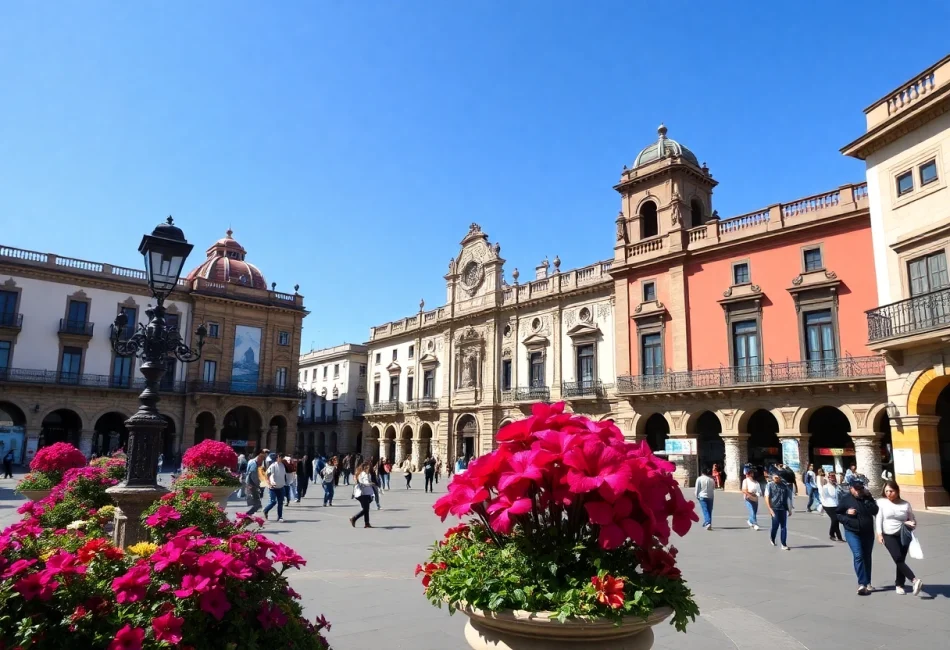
60, 380
331, 413
445, 380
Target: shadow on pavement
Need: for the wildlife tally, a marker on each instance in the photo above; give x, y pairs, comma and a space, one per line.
930, 592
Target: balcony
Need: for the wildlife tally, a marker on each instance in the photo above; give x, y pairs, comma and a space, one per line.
586, 389
53, 377
792, 372
533, 394
392, 406
424, 404
124, 334
232, 388
11, 321
75, 327
317, 419
914, 317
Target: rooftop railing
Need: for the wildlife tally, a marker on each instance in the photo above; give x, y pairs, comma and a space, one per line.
923, 313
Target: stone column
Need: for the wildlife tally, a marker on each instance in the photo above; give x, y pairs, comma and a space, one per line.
85, 442
867, 455
685, 471
736, 457
417, 452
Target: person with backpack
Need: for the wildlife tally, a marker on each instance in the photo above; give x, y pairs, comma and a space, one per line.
828, 491
856, 512
328, 476
428, 472
778, 498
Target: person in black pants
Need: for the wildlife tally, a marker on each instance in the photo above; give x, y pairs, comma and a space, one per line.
856, 512
8, 464
828, 498
365, 483
428, 471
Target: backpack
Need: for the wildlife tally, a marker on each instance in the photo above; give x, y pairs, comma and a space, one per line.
778, 496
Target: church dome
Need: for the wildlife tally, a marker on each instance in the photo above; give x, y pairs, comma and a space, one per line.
225, 263
664, 147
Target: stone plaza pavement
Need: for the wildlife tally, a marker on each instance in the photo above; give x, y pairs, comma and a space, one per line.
751, 595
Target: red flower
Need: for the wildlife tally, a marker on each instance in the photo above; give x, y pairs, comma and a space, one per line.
429, 569
128, 638
524, 467
167, 627
210, 454
595, 465
63, 563
609, 591
191, 584
215, 602
57, 457
131, 587
658, 562
460, 499
461, 529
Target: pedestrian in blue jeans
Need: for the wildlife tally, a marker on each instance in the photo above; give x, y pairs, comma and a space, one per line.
751, 492
856, 512
705, 493
778, 498
327, 476
277, 481
811, 488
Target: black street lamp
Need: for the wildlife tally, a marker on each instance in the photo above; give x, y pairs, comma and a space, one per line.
165, 251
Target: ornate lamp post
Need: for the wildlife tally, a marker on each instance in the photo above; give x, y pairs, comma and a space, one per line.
165, 251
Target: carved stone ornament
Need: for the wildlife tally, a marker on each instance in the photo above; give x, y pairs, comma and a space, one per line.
10, 283
336, 392
506, 353
604, 310
621, 228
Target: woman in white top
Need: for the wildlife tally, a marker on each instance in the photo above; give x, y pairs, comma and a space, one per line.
894, 524
752, 491
364, 491
828, 496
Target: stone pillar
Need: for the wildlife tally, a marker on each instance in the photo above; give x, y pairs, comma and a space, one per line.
417, 452
685, 472
85, 442
736, 457
867, 455
382, 448
400, 452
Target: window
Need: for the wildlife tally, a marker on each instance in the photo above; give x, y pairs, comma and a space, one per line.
281, 379
305, 373
122, 372
395, 354
428, 384
506, 374
336, 371
76, 316
71, 363
325, 369
283, 338
928, 172
585, 364
131, 317
213, 330
171, 320
168, 379
362, 370
740, 273
209, 372
409, 386
376, 392
333, 407
378, 358
651, 354
812, 259
745, 349
394, 388
7, 307
649, 225
537, 370
649, 291
905, 183
412, 351
4, 355
819, 342
928, 273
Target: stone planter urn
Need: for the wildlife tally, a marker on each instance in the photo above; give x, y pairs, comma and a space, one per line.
520, 630
221, 493
35, 495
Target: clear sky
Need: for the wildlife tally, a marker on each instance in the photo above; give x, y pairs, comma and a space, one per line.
350, 144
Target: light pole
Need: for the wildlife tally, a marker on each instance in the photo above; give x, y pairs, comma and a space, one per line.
165, 251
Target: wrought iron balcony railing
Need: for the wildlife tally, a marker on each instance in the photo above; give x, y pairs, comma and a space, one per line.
772, 373
11, 320
532, 394
317, 419
80, 327
243, 388
50, 377
915, 315
584, 388
424, 404
391, 406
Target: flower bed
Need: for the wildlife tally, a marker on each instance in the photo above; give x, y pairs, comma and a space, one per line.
569, 519
49, 464
188, 508
208, 463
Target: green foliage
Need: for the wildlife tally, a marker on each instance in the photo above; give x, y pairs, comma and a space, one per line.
39, 481
198, 478
193, 507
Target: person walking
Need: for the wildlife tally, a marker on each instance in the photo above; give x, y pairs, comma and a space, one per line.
751, 491
364, 490
856, 511
277, 482
383, 468
895, 523
438, 469
407, 468
291, 480
717, 476
828, 497
810, 481
347, 468
374, 477
851, 473
242, 472
428, 472
328, 476
705, 493
252, 483
8, 464
304, 468
778, 498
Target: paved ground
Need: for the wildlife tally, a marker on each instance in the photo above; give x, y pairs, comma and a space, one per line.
751, 594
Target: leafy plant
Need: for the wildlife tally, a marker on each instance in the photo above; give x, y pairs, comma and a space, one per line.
210, 462
187, 508
48, 466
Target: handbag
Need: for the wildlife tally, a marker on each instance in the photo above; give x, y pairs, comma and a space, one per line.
914, 549
357, 491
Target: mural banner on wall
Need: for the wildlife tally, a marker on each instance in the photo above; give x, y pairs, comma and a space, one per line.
790, 455
246, 366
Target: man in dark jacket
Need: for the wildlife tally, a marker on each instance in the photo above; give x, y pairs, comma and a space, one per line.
856, 511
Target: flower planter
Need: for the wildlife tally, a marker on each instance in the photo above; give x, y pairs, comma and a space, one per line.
519, 630
221, 493
35, 495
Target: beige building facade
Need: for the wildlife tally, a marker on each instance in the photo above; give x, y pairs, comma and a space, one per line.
907, 151
333, 382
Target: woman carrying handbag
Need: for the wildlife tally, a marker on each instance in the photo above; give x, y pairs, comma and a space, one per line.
364, 492
894, 525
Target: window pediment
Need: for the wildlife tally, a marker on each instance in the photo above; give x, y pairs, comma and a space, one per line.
740, 293
584, 331
652, 309
815, 287
429, 360
536, 341
394, 368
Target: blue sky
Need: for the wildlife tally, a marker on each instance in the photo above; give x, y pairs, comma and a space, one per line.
350, 144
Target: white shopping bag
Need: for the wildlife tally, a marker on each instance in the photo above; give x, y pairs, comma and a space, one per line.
914, 550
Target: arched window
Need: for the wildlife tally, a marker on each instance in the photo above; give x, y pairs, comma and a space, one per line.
697, 213
648, 222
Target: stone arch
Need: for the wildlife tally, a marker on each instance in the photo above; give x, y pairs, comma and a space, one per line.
639, 426
12, 412
61, 425
649, 218
205, 426
78, 410
425, 440
707, 427
110, 434
404, 448
277, 427
923, 393
334, 442
13, 419
656, 429
242, 423
389, 443
466, 436
607, 417
763, 445
829, 428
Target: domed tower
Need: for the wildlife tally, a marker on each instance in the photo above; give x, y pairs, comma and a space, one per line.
226, 263
665, 193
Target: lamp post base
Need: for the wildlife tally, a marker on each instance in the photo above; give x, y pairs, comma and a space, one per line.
130, 503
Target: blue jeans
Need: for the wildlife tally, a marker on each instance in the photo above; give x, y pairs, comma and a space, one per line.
376, 491
707, 507
328, 494
812, 497
276, 499
753, 508
384, 481
861, 547
780, 520
346, 477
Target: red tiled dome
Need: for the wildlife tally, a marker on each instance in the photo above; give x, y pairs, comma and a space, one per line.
225, 263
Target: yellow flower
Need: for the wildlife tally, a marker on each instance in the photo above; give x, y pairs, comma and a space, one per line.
106, 512
45, 555
142, 549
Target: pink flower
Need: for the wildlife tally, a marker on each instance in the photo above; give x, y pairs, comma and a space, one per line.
162, 516
523, 469
17, 567
215, 602
131, 587
57, 457
191, 584
63, 563
271, 616
167, 627
595, 465
128, 638
615, 523
33, 586
460, 499
503, 510
287, 556
210, 454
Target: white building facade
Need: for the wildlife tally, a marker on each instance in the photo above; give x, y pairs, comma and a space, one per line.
444, 381
331, 414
